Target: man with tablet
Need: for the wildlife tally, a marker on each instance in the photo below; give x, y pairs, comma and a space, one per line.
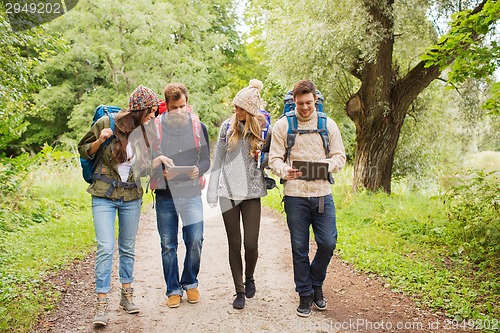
306, 169
183, 139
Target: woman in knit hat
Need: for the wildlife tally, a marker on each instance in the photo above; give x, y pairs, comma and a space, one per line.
116, 188
238, 182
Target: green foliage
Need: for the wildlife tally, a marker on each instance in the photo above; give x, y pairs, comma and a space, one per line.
116, 45
428, 146
20, 54
473, 205
472, 57
47, 213
493, 104
18, 206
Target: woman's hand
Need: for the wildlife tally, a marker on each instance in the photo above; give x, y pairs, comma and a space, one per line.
105, 134
169, 175
167, 162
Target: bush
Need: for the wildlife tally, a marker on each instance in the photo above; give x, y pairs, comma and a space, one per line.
473, 206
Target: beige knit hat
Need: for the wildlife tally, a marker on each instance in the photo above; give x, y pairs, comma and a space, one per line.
248, 98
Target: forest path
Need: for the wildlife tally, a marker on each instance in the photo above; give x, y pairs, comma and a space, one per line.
356, 301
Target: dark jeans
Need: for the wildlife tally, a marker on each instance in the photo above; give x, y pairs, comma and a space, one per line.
300, 214
250, 215
167, 216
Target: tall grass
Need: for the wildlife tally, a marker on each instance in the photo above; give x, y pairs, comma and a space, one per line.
48, 226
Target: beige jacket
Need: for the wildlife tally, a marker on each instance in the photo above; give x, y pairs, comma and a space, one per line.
308, 147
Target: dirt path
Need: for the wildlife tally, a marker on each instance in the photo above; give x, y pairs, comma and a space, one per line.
357, 303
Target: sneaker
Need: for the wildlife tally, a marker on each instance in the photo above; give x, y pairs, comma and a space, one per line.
250, 288
193, 295
127, 302
173, 301
101, 312
239, 301
304, 309
318, 298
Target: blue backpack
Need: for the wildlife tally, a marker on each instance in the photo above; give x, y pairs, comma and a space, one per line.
289, 113
89, 166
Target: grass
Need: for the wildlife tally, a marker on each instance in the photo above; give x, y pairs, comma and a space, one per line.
53, 227
407, 240
49, 227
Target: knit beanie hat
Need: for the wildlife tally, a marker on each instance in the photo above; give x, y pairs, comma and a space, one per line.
142, 98
248, 98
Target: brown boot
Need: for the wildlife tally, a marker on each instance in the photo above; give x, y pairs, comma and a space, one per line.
127, 301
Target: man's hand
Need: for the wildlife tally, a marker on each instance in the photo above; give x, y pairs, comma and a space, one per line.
293, 173
194, 174
169, 175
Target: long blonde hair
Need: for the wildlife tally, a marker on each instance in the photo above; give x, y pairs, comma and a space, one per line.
251, 129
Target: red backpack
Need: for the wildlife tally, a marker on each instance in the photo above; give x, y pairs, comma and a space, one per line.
197, 133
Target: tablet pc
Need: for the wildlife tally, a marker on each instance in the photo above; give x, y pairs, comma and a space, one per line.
182, 169
312, 170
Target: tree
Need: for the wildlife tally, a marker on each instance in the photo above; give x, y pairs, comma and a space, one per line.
116, 45
20, 53
384, 46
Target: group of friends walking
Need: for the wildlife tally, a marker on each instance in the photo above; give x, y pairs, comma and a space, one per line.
172, 148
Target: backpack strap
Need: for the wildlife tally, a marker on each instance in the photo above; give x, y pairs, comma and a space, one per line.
196, 125
323, 131
292, 132
103, 146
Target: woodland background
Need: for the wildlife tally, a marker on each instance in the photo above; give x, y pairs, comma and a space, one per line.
411, 85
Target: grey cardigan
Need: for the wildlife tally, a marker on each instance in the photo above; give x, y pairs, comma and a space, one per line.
235, 174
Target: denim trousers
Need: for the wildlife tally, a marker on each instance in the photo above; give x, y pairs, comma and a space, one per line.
104, 214
300, 214
190, 211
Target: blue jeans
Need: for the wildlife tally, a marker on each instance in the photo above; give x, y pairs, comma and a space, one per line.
167, 217
300, 214
104, 215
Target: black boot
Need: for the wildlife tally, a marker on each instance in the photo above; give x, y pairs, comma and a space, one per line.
318, 299
250, 287
239, 301
304, 309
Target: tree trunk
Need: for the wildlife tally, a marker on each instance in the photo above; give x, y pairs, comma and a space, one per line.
379, 107
376, 142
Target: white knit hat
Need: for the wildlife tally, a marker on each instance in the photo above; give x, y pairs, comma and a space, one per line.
248, 98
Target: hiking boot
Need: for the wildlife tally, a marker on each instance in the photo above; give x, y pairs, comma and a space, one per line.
318, 298
193, 295
239, 301
127, 301
304, 309
173, 301
250, 288
101, 312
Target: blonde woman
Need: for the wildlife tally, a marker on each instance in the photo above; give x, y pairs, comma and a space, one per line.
238, 182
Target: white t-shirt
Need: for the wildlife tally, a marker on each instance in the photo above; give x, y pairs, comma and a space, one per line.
124, 168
